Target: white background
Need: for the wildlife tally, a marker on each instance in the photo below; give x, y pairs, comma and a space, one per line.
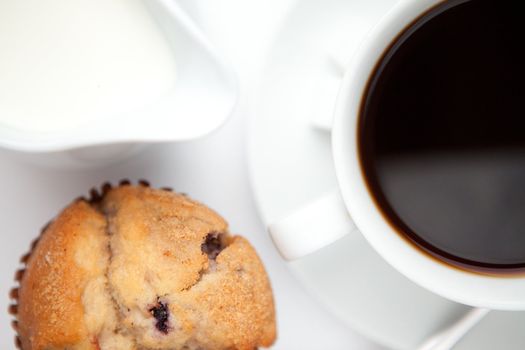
212, 170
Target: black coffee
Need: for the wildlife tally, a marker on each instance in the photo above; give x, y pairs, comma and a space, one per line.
442, 134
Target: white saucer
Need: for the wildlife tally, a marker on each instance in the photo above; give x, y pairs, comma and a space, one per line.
291, 164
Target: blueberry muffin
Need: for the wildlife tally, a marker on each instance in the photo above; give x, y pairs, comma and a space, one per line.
139, 268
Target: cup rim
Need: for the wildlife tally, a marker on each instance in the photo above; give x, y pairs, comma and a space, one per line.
495, 292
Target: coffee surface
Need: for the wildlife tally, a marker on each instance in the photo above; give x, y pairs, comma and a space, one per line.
442, 134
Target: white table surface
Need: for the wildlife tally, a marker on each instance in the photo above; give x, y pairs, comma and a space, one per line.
212, 170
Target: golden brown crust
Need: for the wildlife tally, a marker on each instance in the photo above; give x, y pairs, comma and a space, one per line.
126, 253
159, 236
234, 301
50, 312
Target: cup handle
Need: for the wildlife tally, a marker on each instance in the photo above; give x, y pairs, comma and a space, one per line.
312, 227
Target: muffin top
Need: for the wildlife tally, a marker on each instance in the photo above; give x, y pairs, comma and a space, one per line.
138, 268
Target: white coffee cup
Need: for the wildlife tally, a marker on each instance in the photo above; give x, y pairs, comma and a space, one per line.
351, 207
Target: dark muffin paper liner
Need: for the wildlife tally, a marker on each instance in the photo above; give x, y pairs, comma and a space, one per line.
95, 195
